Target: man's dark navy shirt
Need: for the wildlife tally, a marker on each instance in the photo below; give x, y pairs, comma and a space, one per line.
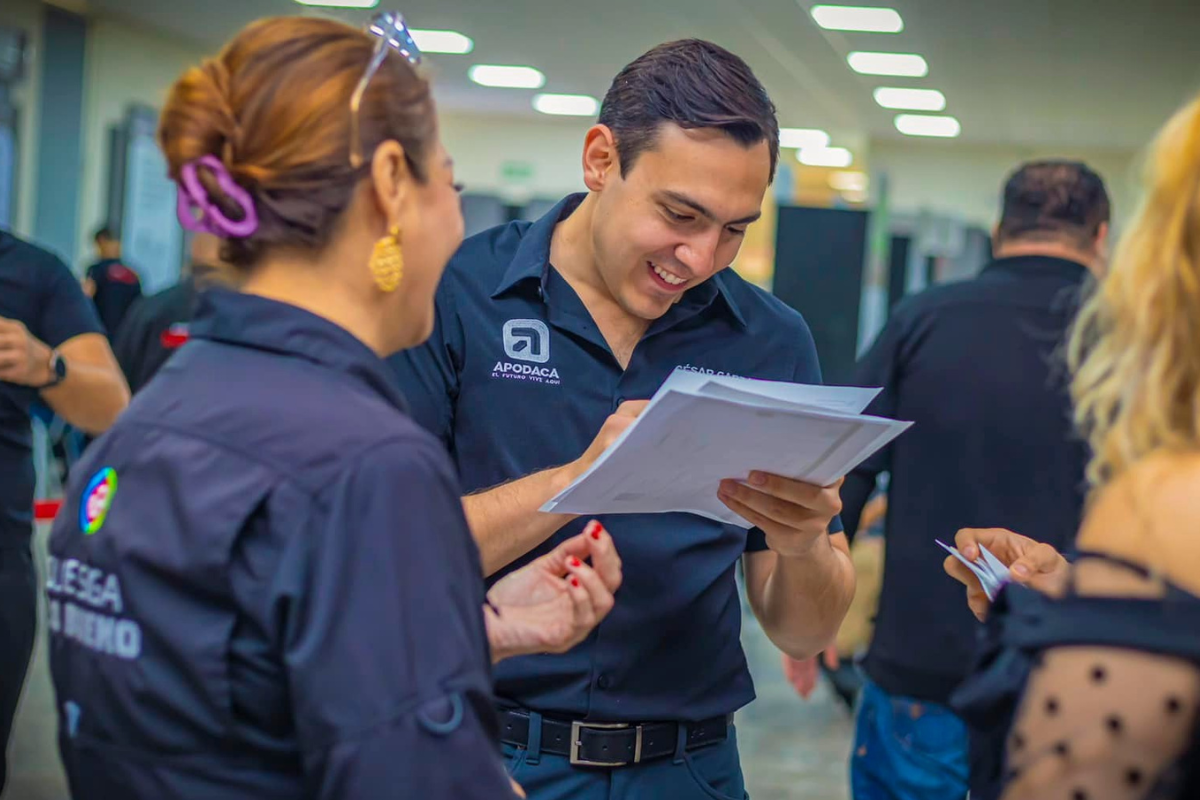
153, 330
117, 288
261, 584
38, 290
517, 378
978, 367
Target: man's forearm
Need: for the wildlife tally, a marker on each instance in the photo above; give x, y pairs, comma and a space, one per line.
804, 599
90, 398
505, 521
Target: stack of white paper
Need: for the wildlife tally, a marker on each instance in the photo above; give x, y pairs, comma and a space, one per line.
701, 429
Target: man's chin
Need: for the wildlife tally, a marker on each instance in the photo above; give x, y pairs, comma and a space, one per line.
646, 307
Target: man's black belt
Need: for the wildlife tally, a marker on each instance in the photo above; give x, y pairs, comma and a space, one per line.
608, 744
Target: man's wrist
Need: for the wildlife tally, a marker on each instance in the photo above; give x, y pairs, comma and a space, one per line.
44, 376
562, 477
557, 479
816, 547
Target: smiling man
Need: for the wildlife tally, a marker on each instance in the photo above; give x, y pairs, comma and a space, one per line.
550, 331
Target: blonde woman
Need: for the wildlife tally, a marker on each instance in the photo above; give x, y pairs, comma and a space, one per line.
1090, 678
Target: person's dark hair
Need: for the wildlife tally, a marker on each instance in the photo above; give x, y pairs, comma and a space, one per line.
692, 84
274, 107
1048, 200
104, 234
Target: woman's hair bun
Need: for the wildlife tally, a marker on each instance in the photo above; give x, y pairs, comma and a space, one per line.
274, 107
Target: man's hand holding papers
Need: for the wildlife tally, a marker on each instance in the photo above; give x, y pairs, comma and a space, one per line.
698, 431
793, 514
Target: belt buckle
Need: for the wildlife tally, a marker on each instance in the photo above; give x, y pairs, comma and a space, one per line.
577, 729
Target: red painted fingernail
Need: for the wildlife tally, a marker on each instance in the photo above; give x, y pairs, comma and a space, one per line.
575, 582
596, 531
575, 562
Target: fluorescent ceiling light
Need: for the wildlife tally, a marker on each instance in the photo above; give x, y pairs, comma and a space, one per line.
924, 125
857, 18
442, 42
849, 181
825, 157
803, 137
567, 105
905, 65
340, 3
507, 77
914, 99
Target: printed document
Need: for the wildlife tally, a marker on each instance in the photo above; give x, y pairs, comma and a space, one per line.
701, 429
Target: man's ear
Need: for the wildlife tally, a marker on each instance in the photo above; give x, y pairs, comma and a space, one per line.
601, 162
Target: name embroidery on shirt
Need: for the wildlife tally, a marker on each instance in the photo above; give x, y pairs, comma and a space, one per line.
706, 371
84, 604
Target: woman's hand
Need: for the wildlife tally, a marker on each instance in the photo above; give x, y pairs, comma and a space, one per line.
553, 603
1034, 564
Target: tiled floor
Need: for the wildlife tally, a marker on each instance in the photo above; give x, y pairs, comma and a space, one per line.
34, 772
791, 749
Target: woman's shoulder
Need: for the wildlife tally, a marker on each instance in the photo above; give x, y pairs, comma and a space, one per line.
1150, 515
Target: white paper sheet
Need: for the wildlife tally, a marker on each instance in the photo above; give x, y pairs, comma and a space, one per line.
698, 430
846, 399
990, 570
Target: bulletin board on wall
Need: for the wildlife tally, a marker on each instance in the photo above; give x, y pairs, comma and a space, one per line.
141, 201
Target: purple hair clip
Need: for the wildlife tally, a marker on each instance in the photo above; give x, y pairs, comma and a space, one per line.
193, 196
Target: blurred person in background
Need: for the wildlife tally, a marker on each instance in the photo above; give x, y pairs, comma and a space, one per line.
113, 286
52, 348
156, 326
262, 583
1088, 684
976, 365
605, 296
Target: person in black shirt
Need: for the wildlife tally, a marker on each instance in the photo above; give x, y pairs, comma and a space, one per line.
113, 286
157, 326
52, 348
977, 366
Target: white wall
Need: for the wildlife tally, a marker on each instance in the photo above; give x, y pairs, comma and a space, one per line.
125, 65
948, 178
965, 181
26, 15
482, 145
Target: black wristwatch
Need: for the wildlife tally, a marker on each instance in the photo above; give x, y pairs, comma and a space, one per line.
58, 368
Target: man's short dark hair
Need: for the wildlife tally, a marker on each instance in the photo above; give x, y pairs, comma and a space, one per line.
1047, 200
104, 234
692, 84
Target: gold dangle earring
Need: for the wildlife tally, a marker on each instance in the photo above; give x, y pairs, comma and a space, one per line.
387, 261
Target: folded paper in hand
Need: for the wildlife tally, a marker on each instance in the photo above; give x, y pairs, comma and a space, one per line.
701, 429
990, 570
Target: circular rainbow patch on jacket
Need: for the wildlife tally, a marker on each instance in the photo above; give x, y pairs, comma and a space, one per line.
97, 499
